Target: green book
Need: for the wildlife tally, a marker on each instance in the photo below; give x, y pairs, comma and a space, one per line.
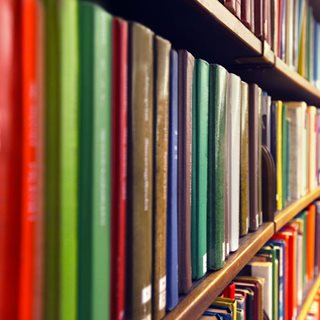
68, 160
200, 106
52, 173
216, 167
284, 155
95, 150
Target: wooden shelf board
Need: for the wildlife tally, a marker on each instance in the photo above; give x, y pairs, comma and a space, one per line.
287, 214
230, 22
309, 299
206, 290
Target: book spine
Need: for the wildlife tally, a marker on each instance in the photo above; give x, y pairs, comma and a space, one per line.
140, 173
52, 156
279, 155
172, 209
119, 166
160, 141
68, 164
244, 161
10, 155
199, 171
216, 167
31, 223
235, 163
86, 84
102, 58
186, 66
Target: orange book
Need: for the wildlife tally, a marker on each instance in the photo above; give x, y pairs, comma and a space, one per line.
311, 241
32, 212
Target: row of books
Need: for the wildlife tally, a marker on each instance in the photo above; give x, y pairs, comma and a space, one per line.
128, 169
276, 281
289, 27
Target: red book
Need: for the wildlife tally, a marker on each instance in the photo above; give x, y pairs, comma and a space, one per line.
10, 158
311, 225
32, 212
229, 291
119, 166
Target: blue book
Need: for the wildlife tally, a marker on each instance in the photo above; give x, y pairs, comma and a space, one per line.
172, 210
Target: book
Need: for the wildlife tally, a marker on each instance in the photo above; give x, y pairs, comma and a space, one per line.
119, 165
200, 110
160, 168
233, 106
255, 156
32, 214
67, 12
10, 155
95, 211
310, 244
172, 207
284, 144
216, 166
244, 161
279, 150
185, 76
140, 150
311, 114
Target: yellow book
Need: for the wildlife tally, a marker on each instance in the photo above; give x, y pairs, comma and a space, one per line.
279, 155
227, 303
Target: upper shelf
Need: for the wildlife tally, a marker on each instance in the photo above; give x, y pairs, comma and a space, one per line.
287, 214
210, 31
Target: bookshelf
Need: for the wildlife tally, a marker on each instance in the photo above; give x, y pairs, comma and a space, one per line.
302, 314
206, 290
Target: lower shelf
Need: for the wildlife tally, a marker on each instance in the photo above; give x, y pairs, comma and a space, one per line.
207, 289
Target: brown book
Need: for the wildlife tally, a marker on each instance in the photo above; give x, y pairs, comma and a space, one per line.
185, 76
244, 161
255, 216
268, 185
234, 6
160, 141
258, 18
140, 147
246, 13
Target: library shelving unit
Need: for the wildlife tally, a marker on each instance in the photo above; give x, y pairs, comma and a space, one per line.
209, 31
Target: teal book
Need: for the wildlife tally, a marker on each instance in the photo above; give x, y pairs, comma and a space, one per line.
216, 167
94, 155
284, 155
200, 109
68, 157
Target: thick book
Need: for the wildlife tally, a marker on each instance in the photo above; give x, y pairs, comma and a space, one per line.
140, 173
95, 157
200, 110
32, 217
310, 245
172, 206
284, 143
68, 156
185, 76
10, 158
51, 161
255, 156
233, 107
216, 167
160, 169
258, 18
244, 161
119, 165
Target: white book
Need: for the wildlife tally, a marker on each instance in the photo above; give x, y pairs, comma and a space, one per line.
264, 270
233, 107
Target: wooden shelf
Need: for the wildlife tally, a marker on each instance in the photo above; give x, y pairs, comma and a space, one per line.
287, 214
206, 290
309, 299
210, 31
